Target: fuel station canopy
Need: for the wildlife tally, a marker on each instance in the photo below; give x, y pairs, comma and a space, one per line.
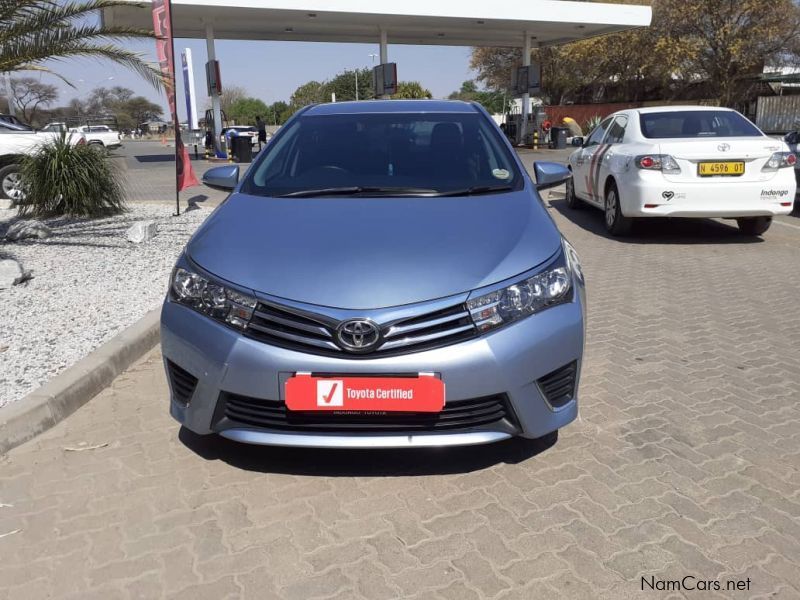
424, 22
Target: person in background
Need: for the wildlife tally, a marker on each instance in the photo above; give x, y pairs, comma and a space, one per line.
262, 131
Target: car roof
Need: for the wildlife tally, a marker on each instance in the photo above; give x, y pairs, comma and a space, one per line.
657, 109
391, 106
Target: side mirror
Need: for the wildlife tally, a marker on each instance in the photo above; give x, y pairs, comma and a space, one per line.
791, 137
578, 140
550, 174
222, 178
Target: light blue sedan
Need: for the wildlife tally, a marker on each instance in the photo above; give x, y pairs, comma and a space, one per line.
384, 275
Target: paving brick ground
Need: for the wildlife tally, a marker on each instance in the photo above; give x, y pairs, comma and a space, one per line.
685, 461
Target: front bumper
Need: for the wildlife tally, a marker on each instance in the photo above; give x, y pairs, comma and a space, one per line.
503, 366
651, 194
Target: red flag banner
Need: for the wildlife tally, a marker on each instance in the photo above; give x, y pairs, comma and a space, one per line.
162, 25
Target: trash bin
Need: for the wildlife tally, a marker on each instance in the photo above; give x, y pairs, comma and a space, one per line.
242, 148
558, 138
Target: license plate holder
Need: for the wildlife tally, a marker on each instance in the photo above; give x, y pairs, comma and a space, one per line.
417, 392
729, 168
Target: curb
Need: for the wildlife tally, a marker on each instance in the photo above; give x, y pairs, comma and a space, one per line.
69, 390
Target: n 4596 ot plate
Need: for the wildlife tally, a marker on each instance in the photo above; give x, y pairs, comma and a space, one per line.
710, 169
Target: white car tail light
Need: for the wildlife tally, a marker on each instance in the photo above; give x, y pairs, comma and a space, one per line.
780, 160
657, 162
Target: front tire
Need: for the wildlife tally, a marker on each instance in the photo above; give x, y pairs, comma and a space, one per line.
754, 225
573, 201
617, 224
11, 183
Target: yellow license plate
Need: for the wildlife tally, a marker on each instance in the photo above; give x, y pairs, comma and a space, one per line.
708, 169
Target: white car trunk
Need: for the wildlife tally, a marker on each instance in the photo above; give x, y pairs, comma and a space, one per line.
689, 153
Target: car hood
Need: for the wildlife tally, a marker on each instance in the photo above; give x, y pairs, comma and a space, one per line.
365, 253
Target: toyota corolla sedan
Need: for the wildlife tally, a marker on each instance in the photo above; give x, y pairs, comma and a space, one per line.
683, 161
384, 275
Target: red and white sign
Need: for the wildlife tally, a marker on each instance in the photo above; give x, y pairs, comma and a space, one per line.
390, 394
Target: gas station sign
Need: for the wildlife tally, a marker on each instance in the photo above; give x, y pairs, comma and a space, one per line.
384, 79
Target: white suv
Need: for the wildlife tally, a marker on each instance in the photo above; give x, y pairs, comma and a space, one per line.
682, 161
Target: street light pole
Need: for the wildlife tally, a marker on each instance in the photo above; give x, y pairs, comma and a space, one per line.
356, 72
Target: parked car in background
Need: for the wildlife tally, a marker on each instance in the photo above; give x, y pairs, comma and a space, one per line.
11, 119
100, 135
15, 143
452, 314
241, 130
682, 161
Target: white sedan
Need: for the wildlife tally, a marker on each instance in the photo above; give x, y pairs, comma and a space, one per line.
687, 161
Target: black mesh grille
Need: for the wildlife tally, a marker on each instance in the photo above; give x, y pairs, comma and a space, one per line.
558, 387
491, 412
182, 383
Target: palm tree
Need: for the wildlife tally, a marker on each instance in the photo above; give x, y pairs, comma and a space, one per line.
35, 31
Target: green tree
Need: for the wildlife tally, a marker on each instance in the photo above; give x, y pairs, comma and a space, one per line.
245, 110
35, 31
344, 86
311, 92
409, 90
135, 111
231, 95
494, 101
278, 113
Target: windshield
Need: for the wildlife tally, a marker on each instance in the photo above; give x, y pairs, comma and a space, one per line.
387, 153
697, 124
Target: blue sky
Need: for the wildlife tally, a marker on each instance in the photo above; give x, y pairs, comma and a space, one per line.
272, 70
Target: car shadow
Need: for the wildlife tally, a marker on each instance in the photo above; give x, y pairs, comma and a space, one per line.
366, 462
671, 230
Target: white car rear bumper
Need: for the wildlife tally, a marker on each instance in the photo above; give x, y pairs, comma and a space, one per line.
654, 196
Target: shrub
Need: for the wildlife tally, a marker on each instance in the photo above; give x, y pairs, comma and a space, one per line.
60, 178
592, 123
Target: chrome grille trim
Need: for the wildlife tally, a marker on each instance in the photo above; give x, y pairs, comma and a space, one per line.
313, 328
293, 337
318, 329
395, 330
412, 341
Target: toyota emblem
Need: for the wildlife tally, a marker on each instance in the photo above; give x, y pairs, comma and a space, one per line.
724, 147
358, 335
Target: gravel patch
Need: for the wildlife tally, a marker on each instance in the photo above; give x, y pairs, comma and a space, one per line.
89, 283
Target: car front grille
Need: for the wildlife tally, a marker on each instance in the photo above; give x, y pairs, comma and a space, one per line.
282, 326
490, 412
181, 382
558, 386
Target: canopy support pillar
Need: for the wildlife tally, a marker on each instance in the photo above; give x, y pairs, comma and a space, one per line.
526, 97
384, 51
215, 98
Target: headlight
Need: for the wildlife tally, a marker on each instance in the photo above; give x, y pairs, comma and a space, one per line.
551, 287
211, 298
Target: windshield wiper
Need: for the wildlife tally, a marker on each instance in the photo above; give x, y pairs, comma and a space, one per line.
476, 190
354, 190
